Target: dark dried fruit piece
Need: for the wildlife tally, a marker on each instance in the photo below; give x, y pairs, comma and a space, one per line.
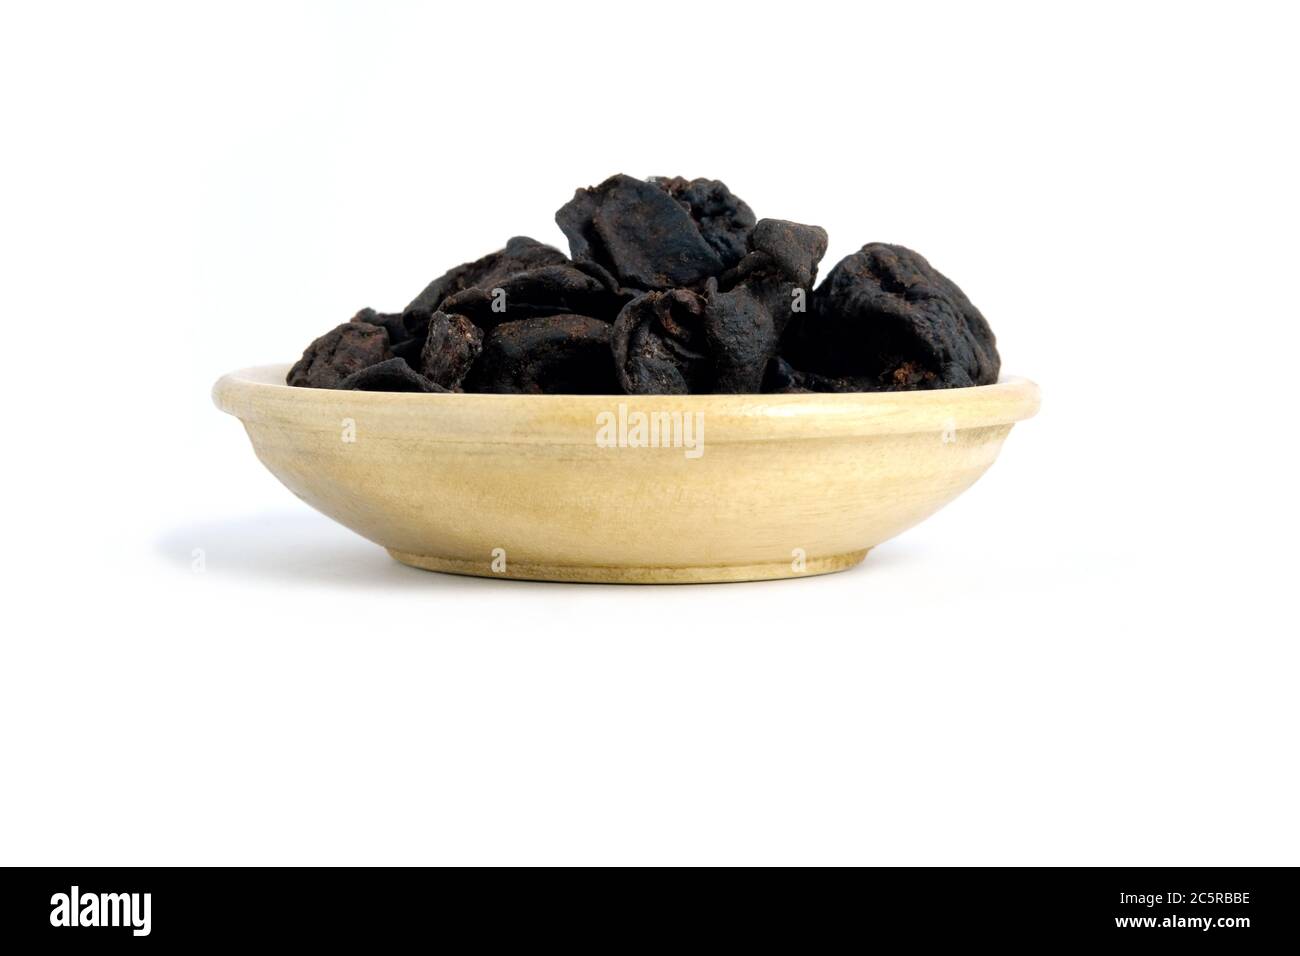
393, 375
603, 276
742, 338
453, 343
781, 378
884, 315
564, 354
640, 233
794, 248
548, 290
409, 351
724, 220
674, 288
521, 253
659, 344
340, 352
394, 323
781, 269
415, 322
406, 330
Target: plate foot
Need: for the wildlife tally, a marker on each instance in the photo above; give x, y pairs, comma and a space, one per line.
600, 574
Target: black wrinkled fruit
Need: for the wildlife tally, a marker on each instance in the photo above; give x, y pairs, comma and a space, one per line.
521, 253
888, 319
742, 338
674, 288
451, 346
394, 323
639, 232
791, 248
340, 352
565, 354
780, 269
659, 344
393, 375
724, 220
546, 290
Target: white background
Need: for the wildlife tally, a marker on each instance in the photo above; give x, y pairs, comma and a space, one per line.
1090, 658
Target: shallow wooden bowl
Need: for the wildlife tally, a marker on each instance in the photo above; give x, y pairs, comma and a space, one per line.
625, 488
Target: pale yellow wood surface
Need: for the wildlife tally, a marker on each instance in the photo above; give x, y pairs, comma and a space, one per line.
518, 486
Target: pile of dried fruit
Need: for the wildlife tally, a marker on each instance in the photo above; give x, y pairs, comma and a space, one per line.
673, 288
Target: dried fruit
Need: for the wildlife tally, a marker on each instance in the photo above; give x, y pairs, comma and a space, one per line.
452, 345
781, 268
521, 253
781, 378
547, 290
393, 375
340, 352
659, 344
674, 288
724, 220
742, 338
792, 248
639, 232
406, 331
568, 354
887, 318
394, 323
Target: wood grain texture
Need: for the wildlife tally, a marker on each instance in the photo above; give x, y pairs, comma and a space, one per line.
518, 486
